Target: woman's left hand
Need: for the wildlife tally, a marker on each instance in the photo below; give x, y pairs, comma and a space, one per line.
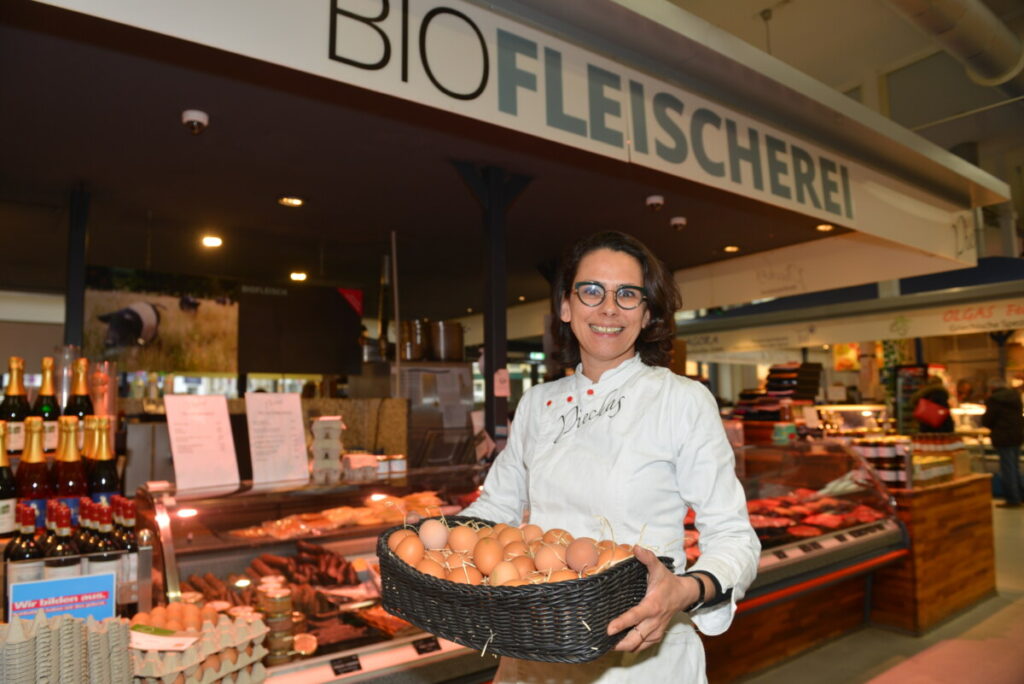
667, 594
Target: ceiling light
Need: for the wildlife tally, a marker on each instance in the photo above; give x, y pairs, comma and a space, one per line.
298, 276
521, 298
469, 309
188, 513
288, 201
731, 248
212, 241
825, 227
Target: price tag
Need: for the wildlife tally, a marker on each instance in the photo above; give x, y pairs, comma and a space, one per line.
426, 645
346, 664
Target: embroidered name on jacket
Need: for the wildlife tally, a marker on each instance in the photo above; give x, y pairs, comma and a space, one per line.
575, 418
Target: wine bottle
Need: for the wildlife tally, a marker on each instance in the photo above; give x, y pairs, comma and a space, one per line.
79, 403
33, 477
62, 559
47, 407
103, 556
10, 526
103, 479
128, 592
69, 477
15, 408
50, 533
87, 438
18, 540
25, 550
83, 536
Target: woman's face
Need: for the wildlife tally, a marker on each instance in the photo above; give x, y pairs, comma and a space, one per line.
606, 333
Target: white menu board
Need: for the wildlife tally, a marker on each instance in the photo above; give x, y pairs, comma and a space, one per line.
277, 438
201, 443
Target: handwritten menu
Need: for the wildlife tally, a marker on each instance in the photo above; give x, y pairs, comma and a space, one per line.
277, 439
201, 443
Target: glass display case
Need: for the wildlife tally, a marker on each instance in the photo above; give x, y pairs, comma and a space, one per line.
852, 419
321, 540
815, 506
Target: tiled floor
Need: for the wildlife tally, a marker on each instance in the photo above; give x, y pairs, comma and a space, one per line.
983, 644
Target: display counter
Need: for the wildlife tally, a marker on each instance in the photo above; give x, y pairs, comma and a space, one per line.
321, 540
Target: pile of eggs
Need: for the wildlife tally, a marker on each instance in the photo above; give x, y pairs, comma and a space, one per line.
503, 556
178, 617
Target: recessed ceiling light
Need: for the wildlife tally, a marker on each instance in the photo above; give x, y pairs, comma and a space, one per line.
298, 275
469, 309
731, 248
211, 241
522, 298
290, 201
825, 227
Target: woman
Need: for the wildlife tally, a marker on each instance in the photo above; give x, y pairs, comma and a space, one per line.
627, 443
1004, 417
934, 391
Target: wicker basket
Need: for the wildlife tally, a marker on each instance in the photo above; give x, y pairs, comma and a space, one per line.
562, 622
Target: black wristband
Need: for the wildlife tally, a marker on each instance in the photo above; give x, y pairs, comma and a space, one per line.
700, 594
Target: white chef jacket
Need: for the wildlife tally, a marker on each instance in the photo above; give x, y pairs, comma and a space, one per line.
624, 458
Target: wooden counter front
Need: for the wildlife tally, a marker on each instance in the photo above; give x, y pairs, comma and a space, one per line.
952, 555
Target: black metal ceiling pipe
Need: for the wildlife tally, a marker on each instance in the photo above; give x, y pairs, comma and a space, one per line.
992, 54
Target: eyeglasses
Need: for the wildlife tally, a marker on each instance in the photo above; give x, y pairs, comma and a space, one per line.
626, 296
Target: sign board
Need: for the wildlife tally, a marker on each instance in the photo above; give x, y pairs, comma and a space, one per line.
82, 596
467, 59
984, 316
277, 437
202, 447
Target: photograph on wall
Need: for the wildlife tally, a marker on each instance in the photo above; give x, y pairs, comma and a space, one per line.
160, 321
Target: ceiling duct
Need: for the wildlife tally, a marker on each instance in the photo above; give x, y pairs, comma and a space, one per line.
991, 53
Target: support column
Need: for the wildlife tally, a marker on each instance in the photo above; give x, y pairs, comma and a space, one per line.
495, 189
74, 298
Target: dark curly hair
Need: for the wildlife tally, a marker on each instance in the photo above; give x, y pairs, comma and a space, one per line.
654, 345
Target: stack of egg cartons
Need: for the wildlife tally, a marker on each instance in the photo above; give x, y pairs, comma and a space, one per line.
326, 449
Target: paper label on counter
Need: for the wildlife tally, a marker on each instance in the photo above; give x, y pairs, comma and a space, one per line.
146, 638
202, 447
277, 438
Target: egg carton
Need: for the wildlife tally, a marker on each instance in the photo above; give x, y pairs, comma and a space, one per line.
238, 633
228, 672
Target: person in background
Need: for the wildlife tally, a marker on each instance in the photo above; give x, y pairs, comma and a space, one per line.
1004, 417
626, 441
964, 392
935, 391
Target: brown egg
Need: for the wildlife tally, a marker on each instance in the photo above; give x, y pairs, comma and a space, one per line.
524, 564
158, 620
487, 553
208, 614
498, 528
550, 558
175, 626
516, 548
516, 583
410, 550
191, 623
531, 532
563, 575
592, 570
509, 535
212, 662
581, 554
457, 560
465, 575
535, 546
503, 572
604, 545
462, 539
557, 536
484, 532
159, 612
175, 609
432, 568
397, 536
613, 556
628, 548
433, 534
438, 557
229, 654
140, 619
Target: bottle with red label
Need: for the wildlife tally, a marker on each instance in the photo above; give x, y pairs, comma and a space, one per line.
62, 559
128, 591
69, 477
33, 475
104, 556
23, 554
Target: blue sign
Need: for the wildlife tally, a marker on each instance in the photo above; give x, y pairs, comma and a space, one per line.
77, 596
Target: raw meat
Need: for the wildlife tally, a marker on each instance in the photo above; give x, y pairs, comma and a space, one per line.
804, 531
829, 520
